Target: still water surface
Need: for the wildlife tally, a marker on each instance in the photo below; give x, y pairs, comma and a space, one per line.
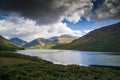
66, 57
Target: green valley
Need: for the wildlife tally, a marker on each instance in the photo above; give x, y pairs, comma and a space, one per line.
59, 39
14, 66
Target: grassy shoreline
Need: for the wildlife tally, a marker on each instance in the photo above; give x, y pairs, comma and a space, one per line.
24, 67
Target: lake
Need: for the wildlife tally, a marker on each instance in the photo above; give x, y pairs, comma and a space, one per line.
66, 57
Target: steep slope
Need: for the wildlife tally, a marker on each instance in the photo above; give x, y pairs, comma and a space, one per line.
7, 45
37, 42
102, 39
18, 41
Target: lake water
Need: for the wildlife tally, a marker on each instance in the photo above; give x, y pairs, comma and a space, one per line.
66, 57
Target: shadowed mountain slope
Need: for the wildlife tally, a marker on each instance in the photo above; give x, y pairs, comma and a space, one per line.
102, 39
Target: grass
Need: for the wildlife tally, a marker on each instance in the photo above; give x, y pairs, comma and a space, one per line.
21, 67
5, 60
9, 54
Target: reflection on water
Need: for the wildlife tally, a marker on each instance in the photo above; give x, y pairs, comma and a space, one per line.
76, 57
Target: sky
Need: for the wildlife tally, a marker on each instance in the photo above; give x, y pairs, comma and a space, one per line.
30, 19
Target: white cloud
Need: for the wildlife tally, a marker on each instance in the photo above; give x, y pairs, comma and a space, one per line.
78, 9
74, 18
26, 29
87, 30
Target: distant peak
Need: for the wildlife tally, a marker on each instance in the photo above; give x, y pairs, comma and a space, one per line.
67, 36
15, 38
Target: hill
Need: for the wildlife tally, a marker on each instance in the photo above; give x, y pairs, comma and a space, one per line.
18, 41
102, 39
6, 45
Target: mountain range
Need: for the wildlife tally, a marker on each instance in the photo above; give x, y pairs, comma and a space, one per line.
103, 39
39, 42
49, 43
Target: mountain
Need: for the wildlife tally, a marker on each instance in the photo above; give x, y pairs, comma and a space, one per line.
66, 39
49, 43
102, 39
38, 42
18, 41
67, 36
6, 45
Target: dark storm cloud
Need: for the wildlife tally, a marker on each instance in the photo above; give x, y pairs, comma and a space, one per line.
42, 10
110, 9
45, 11
97, 4
51, 11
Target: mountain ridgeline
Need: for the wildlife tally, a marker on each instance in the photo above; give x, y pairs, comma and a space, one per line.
41, 43
102, 39
18, 41
6, 45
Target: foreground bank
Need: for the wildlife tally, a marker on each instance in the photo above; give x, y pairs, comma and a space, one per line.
20, 67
